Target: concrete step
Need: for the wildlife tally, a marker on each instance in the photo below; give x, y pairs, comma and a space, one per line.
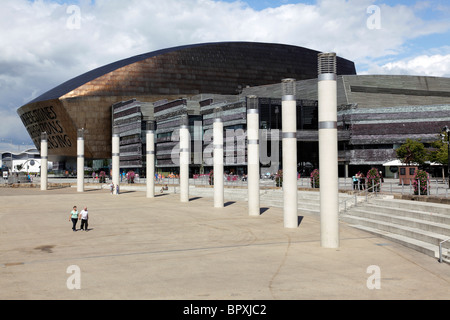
426, 215
392, 228
423, 206
420, 246
374, 213
415, 224
446, 257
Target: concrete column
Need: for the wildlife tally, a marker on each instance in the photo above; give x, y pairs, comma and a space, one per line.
289, 127
80, 161
150, 137
115, 161
184, 159
253, 156
218, 162
44, 161
328, 151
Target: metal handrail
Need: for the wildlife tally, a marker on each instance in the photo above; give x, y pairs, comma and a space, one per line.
366, 191
440, 249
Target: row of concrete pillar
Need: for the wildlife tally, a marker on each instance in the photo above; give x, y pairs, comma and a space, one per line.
328, 153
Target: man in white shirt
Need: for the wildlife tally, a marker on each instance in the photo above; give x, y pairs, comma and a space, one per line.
84, 219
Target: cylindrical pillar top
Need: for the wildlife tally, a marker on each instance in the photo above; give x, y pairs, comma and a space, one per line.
252, 103
288, 87
151, 125
80, 133
44, 136
184, 120
217, 114
327, 63
115, 131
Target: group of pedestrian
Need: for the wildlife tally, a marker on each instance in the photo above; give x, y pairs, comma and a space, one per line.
83, 216
359, 181
111, 188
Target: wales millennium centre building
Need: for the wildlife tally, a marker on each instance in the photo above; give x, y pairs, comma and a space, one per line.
376, 113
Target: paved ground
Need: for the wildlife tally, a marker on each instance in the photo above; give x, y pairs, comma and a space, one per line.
141, 248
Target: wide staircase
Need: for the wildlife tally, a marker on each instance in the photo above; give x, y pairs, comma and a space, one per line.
418, 225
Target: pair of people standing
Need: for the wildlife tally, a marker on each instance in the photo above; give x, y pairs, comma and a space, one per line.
111, 188
83, 216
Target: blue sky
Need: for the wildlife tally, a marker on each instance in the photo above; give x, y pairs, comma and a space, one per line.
43, 44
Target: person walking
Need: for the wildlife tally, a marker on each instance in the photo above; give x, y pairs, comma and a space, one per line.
84, 217
74, 218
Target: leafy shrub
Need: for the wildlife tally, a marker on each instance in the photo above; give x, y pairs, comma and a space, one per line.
279, 178
420, 183
373, 180
130, 176
315, 179
102, 177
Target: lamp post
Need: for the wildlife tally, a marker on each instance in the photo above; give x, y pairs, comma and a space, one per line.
115, 166
218, 160
328, 151
150, 157
289, 143
184, 158
80, 160
447, 131
253, 156
44, 161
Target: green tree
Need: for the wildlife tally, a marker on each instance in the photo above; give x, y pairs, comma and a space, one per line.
439, 153
412, 151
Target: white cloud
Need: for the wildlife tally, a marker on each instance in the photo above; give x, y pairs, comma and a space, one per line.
12, 128
38, 51
426, 65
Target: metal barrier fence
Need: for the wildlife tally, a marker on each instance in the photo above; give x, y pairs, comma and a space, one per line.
435, 187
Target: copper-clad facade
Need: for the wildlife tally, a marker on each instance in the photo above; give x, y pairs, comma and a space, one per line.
219, 68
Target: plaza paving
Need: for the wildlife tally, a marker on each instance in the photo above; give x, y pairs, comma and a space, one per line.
160, 248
